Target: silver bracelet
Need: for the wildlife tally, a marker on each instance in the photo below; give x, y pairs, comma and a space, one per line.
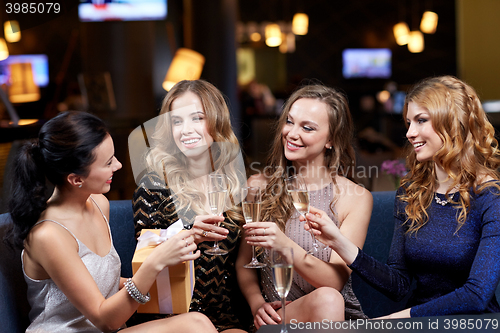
135, 293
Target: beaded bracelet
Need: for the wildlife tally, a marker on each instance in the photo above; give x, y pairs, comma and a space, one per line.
135, 293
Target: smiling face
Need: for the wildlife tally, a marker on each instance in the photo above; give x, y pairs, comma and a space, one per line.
421, 134
189, 126
306, 133
101, 170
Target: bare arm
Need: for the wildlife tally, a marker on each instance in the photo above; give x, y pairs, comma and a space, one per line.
345, 240
354, 210
264, 313
55, 251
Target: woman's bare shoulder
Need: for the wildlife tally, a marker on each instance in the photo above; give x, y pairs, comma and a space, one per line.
103, 203
101, 200
355, 203
352, 192
47, 235
351, 187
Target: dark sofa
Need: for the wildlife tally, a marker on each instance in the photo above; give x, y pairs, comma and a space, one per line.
14, 307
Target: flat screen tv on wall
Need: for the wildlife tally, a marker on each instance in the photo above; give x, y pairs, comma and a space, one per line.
366, 63
122, 10
39, 66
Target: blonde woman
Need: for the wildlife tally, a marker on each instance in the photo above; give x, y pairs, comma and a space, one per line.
314, 139
447, 210
193, 138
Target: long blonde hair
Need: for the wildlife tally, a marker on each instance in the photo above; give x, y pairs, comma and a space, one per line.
166, 159
339, 160
469, 152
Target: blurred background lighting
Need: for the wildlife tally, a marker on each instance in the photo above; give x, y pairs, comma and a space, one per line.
429, 22
300, 24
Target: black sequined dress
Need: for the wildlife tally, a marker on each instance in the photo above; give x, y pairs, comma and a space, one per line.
216, 293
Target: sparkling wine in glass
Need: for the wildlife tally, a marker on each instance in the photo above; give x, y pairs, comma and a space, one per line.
282, 266
296, 187
250, 204
217, 195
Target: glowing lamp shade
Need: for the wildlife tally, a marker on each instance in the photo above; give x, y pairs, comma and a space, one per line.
416, 42
23, 87
273, 35
11, 31
4, 51
383, 96
401, 32
186, 65
429, 22
300, 24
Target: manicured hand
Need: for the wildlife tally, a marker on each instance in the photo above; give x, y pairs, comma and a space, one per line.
323, 227
175, 250
267, 315
206, 229
265, 234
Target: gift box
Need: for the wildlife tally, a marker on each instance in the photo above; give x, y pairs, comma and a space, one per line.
173, 289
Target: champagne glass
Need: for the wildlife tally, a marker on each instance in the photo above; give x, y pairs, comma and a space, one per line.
296, 187
250, 204
217, 194
282, 265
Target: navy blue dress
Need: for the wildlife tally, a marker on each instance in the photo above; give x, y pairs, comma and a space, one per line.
455, 271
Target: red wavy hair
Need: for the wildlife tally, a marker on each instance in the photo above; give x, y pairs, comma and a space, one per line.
469, 153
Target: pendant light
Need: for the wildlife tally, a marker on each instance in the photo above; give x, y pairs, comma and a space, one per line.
186, 65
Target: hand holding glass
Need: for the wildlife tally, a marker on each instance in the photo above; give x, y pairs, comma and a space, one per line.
217, 194
282, 265
250, 204
296, 187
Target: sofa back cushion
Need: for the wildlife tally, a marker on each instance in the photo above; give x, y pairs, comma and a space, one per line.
377, 244
14, 307
121, 222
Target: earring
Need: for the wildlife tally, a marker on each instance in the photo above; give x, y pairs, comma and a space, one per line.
331, 147
80, 186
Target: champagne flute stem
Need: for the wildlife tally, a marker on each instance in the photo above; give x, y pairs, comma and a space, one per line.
253, 252
283, 320
315, 243
216, 243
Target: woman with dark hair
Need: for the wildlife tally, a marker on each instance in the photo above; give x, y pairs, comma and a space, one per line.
313, 139
447, 210
70, 265
192, 139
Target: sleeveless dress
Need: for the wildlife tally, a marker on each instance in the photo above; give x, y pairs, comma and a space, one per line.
51, 311
294, 229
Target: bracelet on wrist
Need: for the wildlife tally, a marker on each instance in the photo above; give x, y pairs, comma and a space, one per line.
135, 294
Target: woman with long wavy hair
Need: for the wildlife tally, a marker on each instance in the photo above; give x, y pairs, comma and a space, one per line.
70, 265
313, 138
192, 139
447, 210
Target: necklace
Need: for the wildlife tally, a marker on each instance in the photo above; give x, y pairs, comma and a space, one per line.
441, 202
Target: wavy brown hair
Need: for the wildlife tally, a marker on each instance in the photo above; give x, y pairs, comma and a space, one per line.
277, 204
468, 155
166, 159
